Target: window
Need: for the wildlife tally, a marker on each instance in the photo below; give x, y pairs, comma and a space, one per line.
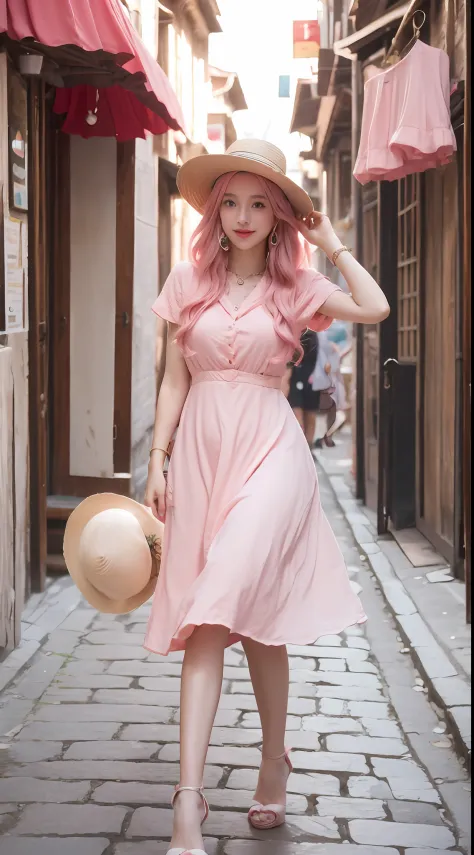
409, 235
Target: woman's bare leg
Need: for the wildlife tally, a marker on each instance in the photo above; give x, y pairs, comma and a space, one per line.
269, 671
201, 685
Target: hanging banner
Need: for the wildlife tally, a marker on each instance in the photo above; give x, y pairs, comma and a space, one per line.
306, 39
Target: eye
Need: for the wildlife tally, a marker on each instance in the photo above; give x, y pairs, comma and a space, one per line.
227, 203
259, 205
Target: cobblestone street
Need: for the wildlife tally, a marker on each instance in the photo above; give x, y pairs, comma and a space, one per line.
90, 744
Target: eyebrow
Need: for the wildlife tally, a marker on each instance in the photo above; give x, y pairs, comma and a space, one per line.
252, 197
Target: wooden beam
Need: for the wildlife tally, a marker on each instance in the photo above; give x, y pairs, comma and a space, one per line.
399, 40
351, 45
125, 253
38, 337
7, 539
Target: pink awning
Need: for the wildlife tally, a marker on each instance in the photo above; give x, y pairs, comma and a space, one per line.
98, 27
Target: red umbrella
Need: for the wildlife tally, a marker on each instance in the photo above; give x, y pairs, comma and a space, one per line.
137, 95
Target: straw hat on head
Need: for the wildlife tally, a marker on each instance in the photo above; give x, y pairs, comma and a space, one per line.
112, 549
197, 176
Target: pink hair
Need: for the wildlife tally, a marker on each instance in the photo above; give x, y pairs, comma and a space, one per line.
210, 261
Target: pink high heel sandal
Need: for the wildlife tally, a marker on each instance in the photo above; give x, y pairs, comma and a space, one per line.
265, 817
176, 793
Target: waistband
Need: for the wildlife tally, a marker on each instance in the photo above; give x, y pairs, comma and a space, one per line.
232, 375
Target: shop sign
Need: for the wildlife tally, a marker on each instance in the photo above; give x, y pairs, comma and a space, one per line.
306, 39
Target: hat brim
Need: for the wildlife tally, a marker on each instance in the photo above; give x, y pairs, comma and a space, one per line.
76, 523
197, 177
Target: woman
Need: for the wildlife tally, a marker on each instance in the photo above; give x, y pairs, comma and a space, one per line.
297, 386
327, 382
248, 554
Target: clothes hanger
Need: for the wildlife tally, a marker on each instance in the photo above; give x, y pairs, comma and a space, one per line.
395, 56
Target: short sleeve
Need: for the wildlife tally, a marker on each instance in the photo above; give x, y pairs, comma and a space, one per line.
314, 290
169, 302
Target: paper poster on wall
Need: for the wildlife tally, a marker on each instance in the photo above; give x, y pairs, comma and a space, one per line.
13, 242
14, 299
18, 142
24, 247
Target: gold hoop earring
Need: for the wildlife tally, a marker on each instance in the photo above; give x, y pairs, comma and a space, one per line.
224, 243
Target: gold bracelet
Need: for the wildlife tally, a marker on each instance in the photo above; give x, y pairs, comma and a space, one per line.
337, 253
156, 448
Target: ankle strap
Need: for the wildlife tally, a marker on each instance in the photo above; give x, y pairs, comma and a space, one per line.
198, 790
179, 790
285, 754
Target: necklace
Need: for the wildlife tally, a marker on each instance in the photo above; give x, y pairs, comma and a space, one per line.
242, 279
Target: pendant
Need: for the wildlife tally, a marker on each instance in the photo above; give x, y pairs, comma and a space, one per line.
240, 281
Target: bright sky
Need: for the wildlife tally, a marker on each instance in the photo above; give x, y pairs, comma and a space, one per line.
257, 43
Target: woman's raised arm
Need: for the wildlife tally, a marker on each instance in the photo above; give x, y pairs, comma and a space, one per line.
366, 303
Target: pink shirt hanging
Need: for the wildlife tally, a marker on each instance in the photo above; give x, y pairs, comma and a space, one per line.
406, 124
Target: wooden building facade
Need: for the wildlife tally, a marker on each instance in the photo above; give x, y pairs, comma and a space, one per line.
413, 371
82, 250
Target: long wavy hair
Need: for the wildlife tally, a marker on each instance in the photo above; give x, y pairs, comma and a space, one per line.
284, 260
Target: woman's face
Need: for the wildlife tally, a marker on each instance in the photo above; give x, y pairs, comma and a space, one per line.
246, 214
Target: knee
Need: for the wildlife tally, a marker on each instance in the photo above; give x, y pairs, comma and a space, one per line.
211, 636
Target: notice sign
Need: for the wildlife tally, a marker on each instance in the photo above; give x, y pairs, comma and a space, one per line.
15, 300
12, 319
306, 39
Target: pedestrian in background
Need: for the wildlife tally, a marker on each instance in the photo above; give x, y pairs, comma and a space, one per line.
327, 380
297, 386
248, 554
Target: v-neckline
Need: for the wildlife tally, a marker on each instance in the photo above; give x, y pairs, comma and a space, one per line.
249, 300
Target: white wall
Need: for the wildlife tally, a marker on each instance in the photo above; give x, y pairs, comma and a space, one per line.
93, 266
145, 291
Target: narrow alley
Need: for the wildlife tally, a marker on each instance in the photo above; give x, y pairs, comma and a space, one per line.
90, 742
235, 240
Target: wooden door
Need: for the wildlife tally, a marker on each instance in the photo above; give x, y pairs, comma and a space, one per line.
7, 548
38, 229
117, 348
370, 384
399, 270
467, 321
436, 514
388, 348
407, 459
459, 533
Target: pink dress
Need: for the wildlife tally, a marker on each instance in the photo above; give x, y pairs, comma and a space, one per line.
406, 123
246, 544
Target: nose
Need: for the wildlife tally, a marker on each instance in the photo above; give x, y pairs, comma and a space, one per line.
243, 218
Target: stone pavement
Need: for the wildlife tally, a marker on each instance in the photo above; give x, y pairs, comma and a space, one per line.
89, 730
427, 603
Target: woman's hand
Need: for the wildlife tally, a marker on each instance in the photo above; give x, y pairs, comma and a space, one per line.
366, 303
155, 490
316, 228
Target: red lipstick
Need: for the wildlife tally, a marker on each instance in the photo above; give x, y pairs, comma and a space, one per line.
243, 232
